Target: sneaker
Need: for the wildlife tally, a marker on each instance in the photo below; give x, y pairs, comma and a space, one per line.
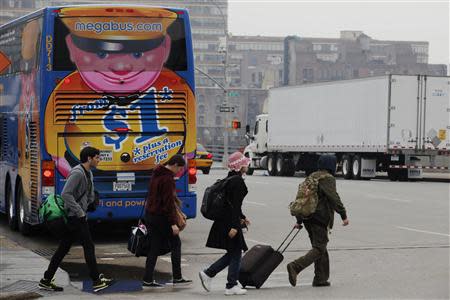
292, 274
49, 285
235, 290
206, 280
181, 282
318, 284
153, 285
102, 283
103, 278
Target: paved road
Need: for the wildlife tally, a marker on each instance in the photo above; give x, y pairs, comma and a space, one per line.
397, 244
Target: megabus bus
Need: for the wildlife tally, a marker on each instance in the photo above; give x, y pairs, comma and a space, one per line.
118, 78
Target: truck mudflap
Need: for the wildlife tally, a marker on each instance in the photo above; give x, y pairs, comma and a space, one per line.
368, 168
413, 171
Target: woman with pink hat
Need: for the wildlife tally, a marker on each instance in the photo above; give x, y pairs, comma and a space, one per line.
226, 233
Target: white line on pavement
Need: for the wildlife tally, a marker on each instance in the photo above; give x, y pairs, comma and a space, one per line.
106, 258
115, 253
260, 182
423, 231
167, 259
388, 198
255, 203
256, 242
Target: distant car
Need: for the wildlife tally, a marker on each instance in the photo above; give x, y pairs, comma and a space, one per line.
203, 159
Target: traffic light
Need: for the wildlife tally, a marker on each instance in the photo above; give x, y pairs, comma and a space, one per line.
235, 124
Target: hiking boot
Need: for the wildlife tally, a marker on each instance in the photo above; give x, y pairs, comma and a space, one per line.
101, 283
49, 285
181, 282
292, 274
153, 285
323, 283
235, 290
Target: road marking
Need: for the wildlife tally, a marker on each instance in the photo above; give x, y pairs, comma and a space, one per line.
115, 253
388, 198
106, 258
423, 231
260, 182
256, 242
168, 259
255, 203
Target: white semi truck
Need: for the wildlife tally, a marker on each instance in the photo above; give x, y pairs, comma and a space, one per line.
398, 124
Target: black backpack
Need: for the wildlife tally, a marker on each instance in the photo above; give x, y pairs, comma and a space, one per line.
215, 200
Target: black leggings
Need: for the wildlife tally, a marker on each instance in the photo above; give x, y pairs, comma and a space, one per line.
78, 230
162, 238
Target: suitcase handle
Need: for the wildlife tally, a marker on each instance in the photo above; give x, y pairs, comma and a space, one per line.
292, 239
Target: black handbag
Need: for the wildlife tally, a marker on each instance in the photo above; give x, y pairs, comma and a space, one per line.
139, 241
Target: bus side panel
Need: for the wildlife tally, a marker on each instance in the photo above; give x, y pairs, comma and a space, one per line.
20, 49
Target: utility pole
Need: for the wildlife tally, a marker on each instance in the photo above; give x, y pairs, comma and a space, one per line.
224, 48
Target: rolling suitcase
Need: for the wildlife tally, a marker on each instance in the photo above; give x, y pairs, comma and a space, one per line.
260, 261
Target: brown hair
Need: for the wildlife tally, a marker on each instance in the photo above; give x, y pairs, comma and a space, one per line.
177, 159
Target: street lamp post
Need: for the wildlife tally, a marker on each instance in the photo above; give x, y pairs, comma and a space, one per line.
224, 49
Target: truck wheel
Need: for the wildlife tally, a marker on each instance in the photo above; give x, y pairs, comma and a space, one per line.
10, 209
346, 166
290, 167
309, 172
271, 166
403, 175
206, 170
250, 171
392, 174
280, 166
24, 227
356, 167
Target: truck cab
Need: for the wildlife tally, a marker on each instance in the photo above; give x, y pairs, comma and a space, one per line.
257, 142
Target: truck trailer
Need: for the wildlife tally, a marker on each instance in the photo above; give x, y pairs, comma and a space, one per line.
397, 124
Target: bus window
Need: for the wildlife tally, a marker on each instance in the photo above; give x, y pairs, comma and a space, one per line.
21, 44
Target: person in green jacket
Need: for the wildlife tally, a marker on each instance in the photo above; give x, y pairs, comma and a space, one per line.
319, 225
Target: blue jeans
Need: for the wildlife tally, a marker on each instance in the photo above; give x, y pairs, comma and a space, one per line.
232, 259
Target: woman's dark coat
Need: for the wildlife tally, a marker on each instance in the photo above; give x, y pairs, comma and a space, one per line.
218, 235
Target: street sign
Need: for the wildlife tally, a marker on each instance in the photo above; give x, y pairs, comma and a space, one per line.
233, 94
227, 109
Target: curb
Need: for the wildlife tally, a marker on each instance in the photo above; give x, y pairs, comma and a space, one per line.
19, 295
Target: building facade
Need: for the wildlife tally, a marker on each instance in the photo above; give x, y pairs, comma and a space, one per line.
353, 55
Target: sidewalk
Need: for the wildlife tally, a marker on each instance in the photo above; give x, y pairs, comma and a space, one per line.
20, 272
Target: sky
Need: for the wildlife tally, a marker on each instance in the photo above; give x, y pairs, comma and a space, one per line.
382, 20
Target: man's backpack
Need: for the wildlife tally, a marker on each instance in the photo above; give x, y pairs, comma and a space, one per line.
215, 200
52, 208
305, 203
53, 215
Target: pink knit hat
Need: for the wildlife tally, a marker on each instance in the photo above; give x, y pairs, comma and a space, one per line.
237, 160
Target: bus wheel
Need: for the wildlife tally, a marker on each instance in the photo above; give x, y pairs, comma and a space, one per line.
10, 211
24, 227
